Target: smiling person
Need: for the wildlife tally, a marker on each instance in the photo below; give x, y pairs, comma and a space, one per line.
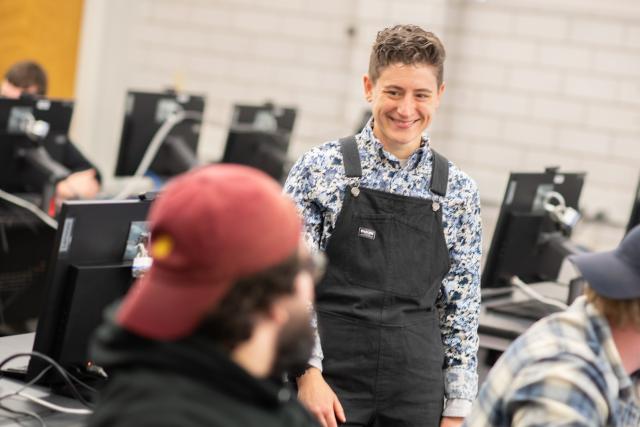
397, 312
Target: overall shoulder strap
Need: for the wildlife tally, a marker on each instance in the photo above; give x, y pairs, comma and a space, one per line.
439, 174
350, 157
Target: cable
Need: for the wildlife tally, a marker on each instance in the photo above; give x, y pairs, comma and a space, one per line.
65, 375
515, 281
43, 402
27, 385
27, 413
157, 140
81, 383
30, 207
55, 407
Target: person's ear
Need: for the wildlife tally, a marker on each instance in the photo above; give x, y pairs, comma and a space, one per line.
440, 93
278, 313
368, 87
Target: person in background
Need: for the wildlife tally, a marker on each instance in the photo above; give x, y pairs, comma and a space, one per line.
397, 312
205, 336
575, 368
29, 79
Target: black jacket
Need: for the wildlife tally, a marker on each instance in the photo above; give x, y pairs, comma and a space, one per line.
185, 383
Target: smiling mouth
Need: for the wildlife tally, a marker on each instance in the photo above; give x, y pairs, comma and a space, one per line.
403, 123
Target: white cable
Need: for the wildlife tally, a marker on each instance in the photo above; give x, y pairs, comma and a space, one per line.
55, 407
515, 281
30, 207
157, 140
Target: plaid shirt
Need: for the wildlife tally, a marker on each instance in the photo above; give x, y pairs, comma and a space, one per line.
317, 183
564, 371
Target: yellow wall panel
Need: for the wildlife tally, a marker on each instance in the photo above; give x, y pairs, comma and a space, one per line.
46, 31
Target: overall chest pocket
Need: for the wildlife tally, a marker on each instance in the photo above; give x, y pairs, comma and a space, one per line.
390, 254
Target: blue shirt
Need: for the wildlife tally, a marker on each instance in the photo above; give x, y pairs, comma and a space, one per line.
564, 371
317, 183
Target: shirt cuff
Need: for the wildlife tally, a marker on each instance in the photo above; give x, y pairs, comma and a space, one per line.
316, 362
457, 408
460, 383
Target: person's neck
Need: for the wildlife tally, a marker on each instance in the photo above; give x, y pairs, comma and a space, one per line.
400, 151
627, 341
257, 353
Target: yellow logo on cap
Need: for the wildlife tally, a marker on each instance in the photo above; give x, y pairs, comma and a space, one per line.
162, 247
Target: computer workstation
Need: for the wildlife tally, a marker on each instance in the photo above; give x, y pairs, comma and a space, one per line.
528, 252
90, 268
259, 137
161, 132
169, 153
30, 129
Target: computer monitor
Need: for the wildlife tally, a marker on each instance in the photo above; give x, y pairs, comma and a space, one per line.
259, 137
27, 125
89, 269
634, 218
145, 112
26, 243
527, 242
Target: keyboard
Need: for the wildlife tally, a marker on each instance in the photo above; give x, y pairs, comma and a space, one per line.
529, 309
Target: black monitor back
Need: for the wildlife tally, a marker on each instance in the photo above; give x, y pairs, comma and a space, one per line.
145, 112
259, 137
267, 117
518, 244
86, 273
16, 176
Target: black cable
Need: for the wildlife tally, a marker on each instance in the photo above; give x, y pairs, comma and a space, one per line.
63, 373
82, 383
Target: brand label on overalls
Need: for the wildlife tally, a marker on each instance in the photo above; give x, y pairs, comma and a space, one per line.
367, 233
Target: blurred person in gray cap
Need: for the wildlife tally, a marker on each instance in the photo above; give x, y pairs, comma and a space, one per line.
576, 368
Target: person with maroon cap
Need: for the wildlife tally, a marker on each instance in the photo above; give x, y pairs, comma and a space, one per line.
205, 336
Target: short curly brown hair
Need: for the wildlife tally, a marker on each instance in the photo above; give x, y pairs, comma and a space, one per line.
25, 74
406, 44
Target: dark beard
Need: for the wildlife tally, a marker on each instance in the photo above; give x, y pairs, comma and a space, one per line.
294, 347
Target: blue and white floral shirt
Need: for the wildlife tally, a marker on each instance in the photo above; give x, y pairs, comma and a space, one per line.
317, 183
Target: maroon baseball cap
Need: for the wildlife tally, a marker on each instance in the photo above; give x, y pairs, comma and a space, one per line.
209, 228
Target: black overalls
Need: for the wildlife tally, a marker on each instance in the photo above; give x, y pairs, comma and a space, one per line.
378, 324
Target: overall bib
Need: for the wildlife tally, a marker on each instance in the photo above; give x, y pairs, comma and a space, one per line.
377, 320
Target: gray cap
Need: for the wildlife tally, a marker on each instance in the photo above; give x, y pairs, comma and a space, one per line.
614, 274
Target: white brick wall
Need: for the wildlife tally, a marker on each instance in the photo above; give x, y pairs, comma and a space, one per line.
566, 92
529, 82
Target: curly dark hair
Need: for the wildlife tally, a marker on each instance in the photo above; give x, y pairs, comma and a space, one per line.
25, 74
406, 44
233, 319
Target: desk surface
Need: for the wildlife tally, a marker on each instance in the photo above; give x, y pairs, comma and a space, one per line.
20, 344
497, 331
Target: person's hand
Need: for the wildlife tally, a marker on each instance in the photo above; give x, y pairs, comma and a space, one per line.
451, 421
316, 395
78, 185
